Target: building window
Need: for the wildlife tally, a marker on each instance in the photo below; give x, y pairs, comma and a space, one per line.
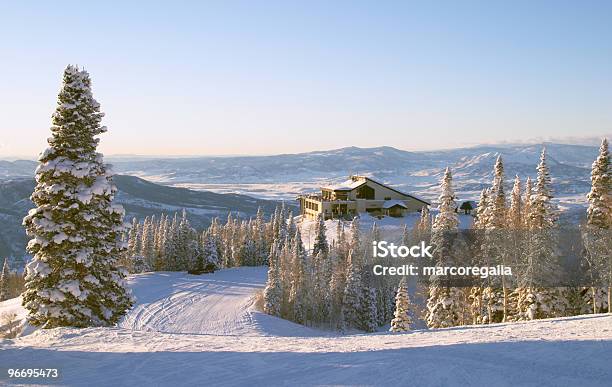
365, 192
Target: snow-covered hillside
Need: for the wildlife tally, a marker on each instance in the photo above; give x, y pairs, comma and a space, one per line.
140, 198
204, 330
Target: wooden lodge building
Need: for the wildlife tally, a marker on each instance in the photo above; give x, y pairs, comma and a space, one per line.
359, 194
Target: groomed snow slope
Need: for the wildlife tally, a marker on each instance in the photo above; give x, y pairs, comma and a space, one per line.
215, 304
202, 330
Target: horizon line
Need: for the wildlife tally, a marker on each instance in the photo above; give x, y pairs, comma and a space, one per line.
228, 155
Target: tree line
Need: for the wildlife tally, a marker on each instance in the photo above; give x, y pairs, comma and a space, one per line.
332, 285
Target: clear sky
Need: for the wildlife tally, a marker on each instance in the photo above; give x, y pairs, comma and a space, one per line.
261, 77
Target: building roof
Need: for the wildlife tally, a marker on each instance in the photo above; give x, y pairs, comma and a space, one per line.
392, 203
347, 185
357, 181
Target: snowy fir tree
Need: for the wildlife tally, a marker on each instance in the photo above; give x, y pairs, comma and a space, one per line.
299, 293
355, 241
542, 213
74, 278
536, 301
369, 301
478, 306
4, 281
515, 212
320, 244
210, 255
480, 221
599, 212
352, 295
444, 304
273, 292
596, 235
495, 293
497, 203
446, 219
401, 321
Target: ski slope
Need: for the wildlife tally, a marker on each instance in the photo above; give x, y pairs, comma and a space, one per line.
214, 304
204, 331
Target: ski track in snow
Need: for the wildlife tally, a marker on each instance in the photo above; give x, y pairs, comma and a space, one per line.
204, 331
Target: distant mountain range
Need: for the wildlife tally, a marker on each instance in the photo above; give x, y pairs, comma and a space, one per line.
219, 184
139, 197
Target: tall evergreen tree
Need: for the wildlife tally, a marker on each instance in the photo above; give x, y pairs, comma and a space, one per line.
597, 233
444, 304
515, 212
536, 301
481, 221
74, 279
320, 248
599, 213
352, 295
401, 321
299, 293
369, 308
495, 294
273, 291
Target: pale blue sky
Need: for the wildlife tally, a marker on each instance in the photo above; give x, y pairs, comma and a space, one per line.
257, 77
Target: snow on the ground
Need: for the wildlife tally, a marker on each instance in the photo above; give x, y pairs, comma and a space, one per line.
203, 330
217, 304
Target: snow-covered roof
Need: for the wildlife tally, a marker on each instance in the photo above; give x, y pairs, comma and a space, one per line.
392, 203
346, 185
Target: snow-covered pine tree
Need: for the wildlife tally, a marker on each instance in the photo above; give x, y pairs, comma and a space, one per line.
480, 221
341, 243
259, 234
210, 254
73, 279
355, 241
351, 298
401, 321
368, 314
444, 306
515, 212
159, 261
542, 213
495, 293
133, 249
299, 293
320, 248
478, 308
273, 291
325, 287
541, 263
147, 245
599, 212
337, 284
598, 229
4, 281
516, 243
